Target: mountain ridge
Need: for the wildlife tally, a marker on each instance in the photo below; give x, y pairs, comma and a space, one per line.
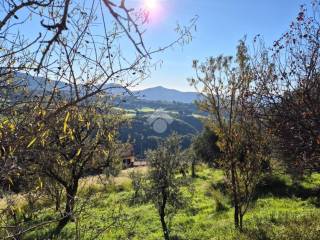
158, 93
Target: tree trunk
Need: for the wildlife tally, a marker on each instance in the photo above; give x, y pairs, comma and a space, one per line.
236, 215
235, 196
68, 212
241, 221
193, 169
62, 223
57, 199
164, 225
162, 215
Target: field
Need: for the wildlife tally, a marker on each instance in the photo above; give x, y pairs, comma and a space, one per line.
281, 210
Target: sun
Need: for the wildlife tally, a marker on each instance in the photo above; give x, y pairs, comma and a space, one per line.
151, 5
155, 10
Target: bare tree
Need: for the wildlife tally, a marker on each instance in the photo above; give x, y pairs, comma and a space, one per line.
74, 53
77, 49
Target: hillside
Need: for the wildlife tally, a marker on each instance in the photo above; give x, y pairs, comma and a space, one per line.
141, 132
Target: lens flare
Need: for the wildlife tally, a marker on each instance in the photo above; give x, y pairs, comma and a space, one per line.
157, 10
151, 5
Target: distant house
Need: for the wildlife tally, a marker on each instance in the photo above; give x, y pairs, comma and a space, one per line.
128, 157
139, 163
129, 160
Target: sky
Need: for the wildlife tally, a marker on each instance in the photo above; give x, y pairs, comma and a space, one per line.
221, 24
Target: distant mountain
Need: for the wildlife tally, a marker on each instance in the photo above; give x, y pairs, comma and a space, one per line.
34, 83
40, 84
164, 94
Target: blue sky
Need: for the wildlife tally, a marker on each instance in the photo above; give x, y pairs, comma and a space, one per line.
221, 24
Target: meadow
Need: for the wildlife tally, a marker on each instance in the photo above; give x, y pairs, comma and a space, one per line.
281, 209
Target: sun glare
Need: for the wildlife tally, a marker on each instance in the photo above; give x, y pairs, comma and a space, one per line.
156, 10
151, 5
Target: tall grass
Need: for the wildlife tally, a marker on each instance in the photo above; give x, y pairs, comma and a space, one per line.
109, 213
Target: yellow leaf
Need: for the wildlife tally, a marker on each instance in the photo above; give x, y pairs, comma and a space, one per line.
79, 152
65, 124
12, 127
71, 135
62, 137
80, 118
40, 183
10, 180
32, 142
110, 137
105, 153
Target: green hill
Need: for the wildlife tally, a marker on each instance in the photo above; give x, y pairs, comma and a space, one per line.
141, 134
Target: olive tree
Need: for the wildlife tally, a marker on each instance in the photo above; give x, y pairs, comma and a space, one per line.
163, 179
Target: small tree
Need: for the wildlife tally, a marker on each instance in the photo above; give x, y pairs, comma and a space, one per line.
189, 159
75, 144
225, 87
138, 184
205, 148
164, 182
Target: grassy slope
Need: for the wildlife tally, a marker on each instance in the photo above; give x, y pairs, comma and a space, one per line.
208, 216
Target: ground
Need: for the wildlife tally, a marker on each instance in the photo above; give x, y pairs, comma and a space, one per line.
110, 214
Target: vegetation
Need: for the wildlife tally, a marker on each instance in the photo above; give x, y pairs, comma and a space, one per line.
164, 185
254, 167
225, 87
205, 147
290, 91
85, 144
141, 134
280, 211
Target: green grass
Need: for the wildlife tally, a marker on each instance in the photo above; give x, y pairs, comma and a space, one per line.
313, 181
146, 110
209, 215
